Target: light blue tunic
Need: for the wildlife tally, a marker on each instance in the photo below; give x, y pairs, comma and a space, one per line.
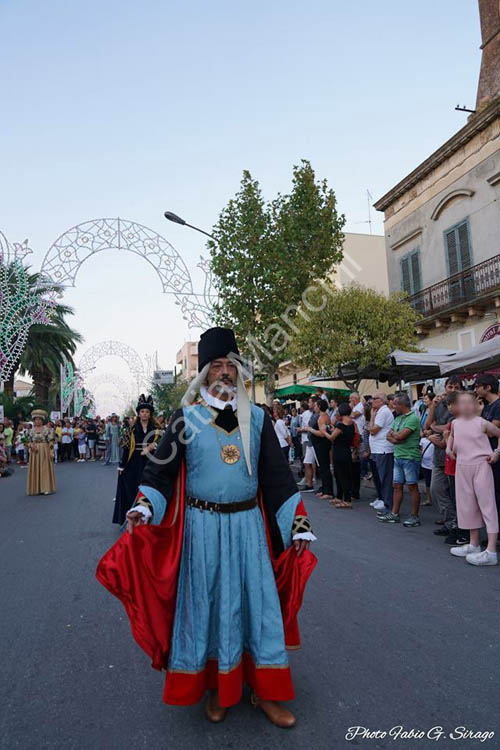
227, 601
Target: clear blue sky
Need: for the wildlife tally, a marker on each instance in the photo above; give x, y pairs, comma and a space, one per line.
128, 108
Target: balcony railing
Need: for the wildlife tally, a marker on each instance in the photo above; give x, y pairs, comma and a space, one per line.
458, 290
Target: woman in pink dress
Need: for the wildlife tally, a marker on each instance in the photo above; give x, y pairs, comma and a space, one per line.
475, 491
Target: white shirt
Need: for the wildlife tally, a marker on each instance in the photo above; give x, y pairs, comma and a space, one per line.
217, 403
428, 456
358, 414
383, 419
282, 432
66, 435
304, 421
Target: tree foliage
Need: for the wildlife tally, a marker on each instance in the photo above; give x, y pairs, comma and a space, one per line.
46, 348
167, 398
266, 254
352, 326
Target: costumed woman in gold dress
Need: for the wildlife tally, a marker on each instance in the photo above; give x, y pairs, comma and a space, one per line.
41, 476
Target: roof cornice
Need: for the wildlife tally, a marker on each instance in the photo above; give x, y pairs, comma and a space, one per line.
477, 122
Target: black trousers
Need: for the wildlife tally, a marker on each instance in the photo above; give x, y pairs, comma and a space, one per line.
297, 447
322, 450
65, 451
356, 478
343, 475
496, 478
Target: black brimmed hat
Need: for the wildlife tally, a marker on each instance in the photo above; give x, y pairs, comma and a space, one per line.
214, 343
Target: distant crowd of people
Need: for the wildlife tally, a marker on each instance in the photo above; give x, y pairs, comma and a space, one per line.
449, 442
74, 439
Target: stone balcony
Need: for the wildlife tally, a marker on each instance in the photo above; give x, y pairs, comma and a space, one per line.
467, 294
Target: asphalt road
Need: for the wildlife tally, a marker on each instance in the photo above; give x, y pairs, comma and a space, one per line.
395, 632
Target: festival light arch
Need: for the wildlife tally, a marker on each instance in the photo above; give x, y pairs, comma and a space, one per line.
117, 349
67, 254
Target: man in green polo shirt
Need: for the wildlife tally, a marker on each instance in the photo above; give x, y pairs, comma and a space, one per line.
405, 436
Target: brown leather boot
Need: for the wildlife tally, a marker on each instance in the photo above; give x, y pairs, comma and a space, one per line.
213, 711
275, 712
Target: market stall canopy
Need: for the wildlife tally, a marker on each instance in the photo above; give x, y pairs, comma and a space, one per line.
299, 390
435, 363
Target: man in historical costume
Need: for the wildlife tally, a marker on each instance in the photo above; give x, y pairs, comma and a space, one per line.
213, 575
138, 441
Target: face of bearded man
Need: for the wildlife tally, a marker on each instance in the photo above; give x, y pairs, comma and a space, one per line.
221, 378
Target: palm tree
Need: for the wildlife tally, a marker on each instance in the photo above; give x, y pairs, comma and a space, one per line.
47, 345
46, 349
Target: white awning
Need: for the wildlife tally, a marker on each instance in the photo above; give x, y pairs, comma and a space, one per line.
484, 356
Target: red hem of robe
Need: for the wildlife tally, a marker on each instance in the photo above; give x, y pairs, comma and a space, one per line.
273, 683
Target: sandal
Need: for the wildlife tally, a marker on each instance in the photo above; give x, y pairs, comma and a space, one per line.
344, 504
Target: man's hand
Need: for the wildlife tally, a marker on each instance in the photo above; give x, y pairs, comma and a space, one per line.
300, 545
134, 518
435, 439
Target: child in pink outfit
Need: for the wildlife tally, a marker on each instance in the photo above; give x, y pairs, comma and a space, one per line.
475, 491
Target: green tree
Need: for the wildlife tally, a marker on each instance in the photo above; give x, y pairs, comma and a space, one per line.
266, 255
46, 348
354, 326
12, 406
167, 398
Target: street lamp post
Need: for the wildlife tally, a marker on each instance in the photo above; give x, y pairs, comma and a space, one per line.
179, 220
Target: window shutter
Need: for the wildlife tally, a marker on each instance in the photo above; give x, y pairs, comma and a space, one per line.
405, 276
463, 241
415, 272
451, 247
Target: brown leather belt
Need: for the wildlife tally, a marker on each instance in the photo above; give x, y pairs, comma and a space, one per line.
194, 502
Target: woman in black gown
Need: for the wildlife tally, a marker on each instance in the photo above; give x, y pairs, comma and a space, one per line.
138, 441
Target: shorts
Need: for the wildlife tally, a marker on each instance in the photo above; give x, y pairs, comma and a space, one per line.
406, 470
92, 443
82, 449
310, 455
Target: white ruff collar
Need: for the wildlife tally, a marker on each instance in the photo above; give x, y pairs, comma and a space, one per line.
217, 403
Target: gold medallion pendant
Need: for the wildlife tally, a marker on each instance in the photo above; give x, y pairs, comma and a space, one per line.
230, 454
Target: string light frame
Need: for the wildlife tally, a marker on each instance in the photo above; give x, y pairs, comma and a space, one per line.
22, 305
67, 254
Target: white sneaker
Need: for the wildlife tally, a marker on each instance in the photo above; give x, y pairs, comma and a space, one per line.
465, 549
379, 505
482, 558
302, 483
373, 502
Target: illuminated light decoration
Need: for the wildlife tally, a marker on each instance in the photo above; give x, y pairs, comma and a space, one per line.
82, 398
69, 380
21, 304
124, 390
65, 257
117, 349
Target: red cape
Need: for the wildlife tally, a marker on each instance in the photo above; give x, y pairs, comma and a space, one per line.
142, 569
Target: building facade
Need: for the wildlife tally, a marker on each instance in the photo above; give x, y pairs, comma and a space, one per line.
186, 361
442, 221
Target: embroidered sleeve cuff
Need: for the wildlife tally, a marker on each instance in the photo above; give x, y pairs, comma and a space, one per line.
302, 525
307, 535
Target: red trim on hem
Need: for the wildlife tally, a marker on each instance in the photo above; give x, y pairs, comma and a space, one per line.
270, 683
